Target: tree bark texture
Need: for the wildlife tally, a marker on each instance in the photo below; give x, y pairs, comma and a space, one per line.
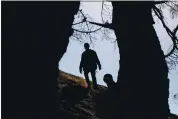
143, 75
35, 36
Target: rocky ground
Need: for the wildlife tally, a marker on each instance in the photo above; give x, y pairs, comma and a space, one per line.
76, 101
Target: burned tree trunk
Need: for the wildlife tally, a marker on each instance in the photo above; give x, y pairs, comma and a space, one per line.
143, 76
35, 36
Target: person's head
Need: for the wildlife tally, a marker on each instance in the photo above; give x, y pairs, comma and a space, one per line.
87, 46
108, 79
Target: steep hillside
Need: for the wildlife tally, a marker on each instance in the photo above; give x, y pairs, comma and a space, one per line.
76, 101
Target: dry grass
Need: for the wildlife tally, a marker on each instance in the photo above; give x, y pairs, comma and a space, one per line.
77, 79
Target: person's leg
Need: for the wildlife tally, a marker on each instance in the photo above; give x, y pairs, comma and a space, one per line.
87, 78
94, 79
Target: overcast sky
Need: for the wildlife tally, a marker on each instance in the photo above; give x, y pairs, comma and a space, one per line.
109, 54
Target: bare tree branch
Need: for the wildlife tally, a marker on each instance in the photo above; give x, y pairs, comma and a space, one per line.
102, 12
170, 6
170, 33
88, 29
175, 30
87, 32
160, 2
106, 25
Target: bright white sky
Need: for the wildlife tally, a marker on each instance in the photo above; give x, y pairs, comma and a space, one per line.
109, 54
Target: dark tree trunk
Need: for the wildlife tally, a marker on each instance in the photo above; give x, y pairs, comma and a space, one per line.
143, 75
35, 36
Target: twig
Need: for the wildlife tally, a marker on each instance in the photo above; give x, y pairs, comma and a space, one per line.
87, 31
170, 33
160, 2
102, 11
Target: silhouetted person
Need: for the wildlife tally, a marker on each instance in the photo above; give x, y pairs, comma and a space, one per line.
105, 101
108, 79
89, 62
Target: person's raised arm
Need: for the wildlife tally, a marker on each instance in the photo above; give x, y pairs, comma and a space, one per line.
81, 64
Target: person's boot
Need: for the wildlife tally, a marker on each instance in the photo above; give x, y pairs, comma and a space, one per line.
89, 86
